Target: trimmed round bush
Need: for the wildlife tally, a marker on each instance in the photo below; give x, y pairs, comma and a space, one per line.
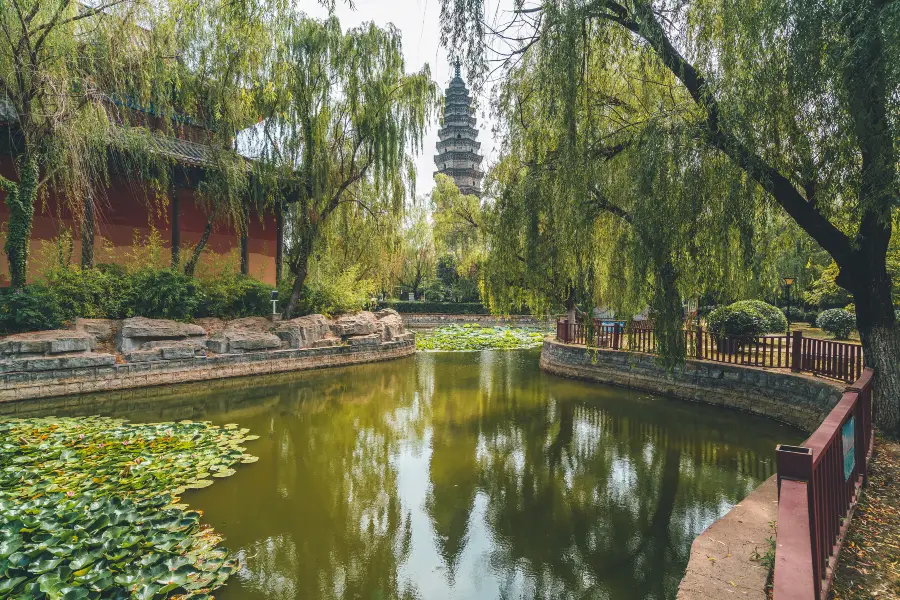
794, 313
746, 318
837, 321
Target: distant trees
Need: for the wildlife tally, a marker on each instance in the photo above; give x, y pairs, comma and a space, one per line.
698, 119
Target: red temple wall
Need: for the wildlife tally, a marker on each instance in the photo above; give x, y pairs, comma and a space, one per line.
128, 211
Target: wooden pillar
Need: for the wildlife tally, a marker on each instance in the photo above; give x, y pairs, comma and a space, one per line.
279, 241
87, 233
796, 351
176, 227
699, 342
245, 242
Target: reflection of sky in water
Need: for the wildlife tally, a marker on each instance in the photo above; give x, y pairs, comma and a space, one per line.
466, 476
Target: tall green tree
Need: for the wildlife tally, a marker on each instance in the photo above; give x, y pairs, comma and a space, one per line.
793, 104
340, 110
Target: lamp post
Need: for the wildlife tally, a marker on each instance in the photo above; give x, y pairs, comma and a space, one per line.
788, 282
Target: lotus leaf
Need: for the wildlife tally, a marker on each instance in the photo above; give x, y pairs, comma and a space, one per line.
476, 337
89, 508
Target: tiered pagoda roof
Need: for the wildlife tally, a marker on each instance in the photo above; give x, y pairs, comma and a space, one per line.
458, 143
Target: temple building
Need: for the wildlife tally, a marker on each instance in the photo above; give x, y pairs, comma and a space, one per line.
458, 143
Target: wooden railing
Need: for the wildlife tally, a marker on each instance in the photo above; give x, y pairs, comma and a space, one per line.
835, 360
818, 487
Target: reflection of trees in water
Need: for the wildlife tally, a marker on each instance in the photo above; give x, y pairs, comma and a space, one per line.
589, 500
591, 492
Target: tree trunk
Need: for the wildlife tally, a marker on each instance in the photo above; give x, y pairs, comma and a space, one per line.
20, 201
87, 233
245, 242
198, 249
299, 268
870, 285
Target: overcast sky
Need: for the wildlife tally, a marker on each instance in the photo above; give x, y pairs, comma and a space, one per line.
419, 21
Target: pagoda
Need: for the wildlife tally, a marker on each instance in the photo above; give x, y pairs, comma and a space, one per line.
458, 143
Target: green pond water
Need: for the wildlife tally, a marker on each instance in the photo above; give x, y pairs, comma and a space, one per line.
461, 476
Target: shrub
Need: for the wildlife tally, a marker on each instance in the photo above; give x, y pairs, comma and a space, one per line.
91, 293
32, 309
234, 296
794, 314
746, 318
450, 308
837, 321
164, 294
811, 317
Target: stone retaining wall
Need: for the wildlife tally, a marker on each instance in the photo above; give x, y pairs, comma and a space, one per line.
800, 400
107, 376
437, 320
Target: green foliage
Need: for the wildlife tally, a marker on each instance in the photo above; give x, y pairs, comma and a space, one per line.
476, 337
234, 295
165, 294
88, 508
824, 292
447, 308
103, 292
837, 321
794, 313
746, 318
32, 308
332, 295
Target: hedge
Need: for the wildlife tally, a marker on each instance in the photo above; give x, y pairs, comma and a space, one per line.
746, 318
446, 308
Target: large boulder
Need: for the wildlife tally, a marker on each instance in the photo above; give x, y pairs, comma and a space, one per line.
362, 323
56, 341
390, 324
137, 331
103, 329
261, 324
304, 332
233, 341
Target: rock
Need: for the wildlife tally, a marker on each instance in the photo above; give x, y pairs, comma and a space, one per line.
260, 324
242, 340
212, 325
372, 339
104, 330
304, 332
362, 323
138, 330
56, 341
386, 312
49, 363
177, 349
137, 356
390, 326
326, 343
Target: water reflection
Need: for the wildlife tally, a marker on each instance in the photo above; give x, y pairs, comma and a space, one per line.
466, 475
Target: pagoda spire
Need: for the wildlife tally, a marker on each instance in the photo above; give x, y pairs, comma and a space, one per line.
457, 148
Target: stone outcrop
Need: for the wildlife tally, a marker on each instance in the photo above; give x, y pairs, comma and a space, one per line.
389, 324
361, 323
242, 340
104, 330
306, 332
137, 331
37, 343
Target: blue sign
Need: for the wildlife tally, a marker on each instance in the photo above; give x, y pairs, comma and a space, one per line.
848, 442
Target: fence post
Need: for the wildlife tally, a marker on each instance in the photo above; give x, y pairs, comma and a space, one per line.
796, 351
797, 574
615, 340
699, 342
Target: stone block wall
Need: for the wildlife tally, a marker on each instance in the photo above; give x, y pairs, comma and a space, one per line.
107, 376
800, 400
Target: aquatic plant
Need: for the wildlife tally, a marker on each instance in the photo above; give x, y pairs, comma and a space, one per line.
89, 508
476, 337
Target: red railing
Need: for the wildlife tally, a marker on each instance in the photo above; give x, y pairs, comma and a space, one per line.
818, 487
835, 360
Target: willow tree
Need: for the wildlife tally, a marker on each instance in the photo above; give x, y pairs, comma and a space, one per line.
338, 111
799, 97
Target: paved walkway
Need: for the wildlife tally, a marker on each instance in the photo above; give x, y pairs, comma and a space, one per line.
720, 565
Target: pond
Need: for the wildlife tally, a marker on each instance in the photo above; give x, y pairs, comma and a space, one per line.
461, 476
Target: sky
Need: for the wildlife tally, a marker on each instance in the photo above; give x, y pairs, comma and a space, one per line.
419, 22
